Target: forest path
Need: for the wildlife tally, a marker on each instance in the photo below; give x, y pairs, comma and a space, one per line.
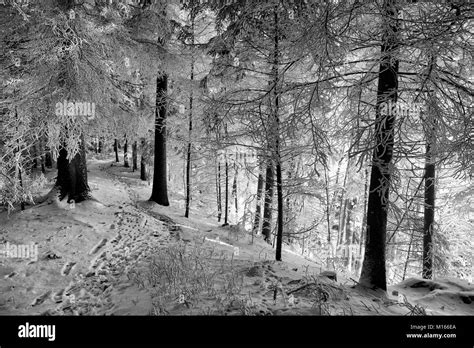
85, 254
106, 287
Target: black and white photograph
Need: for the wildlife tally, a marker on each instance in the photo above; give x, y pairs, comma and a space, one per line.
266, 164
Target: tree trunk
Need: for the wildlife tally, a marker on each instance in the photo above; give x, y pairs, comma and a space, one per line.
116, 151
125, 154
134, 156
160, 189
258, 208
349, 228
328, 204
234, 191
41, 156
267, 207
143, 172
218, 191
373, 268
363, 226
429, 209
101, 145
276, 120
280, 210
190, 126
22, 202
342, 207
143, 161
226, 204
407, 261
289, 214
72, 175
188, 173
48, 159
35, 157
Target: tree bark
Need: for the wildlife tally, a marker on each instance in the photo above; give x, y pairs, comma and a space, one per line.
429, 210
134, 156
343, 207
267, 207
258, 208
234, 190
20, 178
72, 175
48, 159
143, 162
349, 228
226, 204
218, 191
116, 151
363, 226
373, 268
41, 156
276, 120
35, 157
280, 210
160, 189
189, 148
126, 163
328, 204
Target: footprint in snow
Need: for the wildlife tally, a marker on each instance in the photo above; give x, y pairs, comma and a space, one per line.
39, 300
67, 268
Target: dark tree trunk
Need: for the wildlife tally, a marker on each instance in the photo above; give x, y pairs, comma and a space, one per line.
125, 154
35, 157
72, 175
134, 156
342, 219
218, 192
234, 190
276, 52
160, 189
289, 214
190, 129
336, 209
143, 162
101, 145
267, 207
143, 172
280, 210
258, 208
188, 174
48, 160
428, 225
342, 207
328, 204
41, 156
43, 168
373, 268
226, 203
349, 228
20, 178
116, 151
363, 227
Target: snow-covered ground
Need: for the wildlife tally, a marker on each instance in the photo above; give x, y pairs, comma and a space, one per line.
111, 256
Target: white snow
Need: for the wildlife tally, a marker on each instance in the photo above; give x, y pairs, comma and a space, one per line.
91, 256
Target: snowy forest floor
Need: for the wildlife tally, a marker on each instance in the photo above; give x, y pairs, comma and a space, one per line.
122, 255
